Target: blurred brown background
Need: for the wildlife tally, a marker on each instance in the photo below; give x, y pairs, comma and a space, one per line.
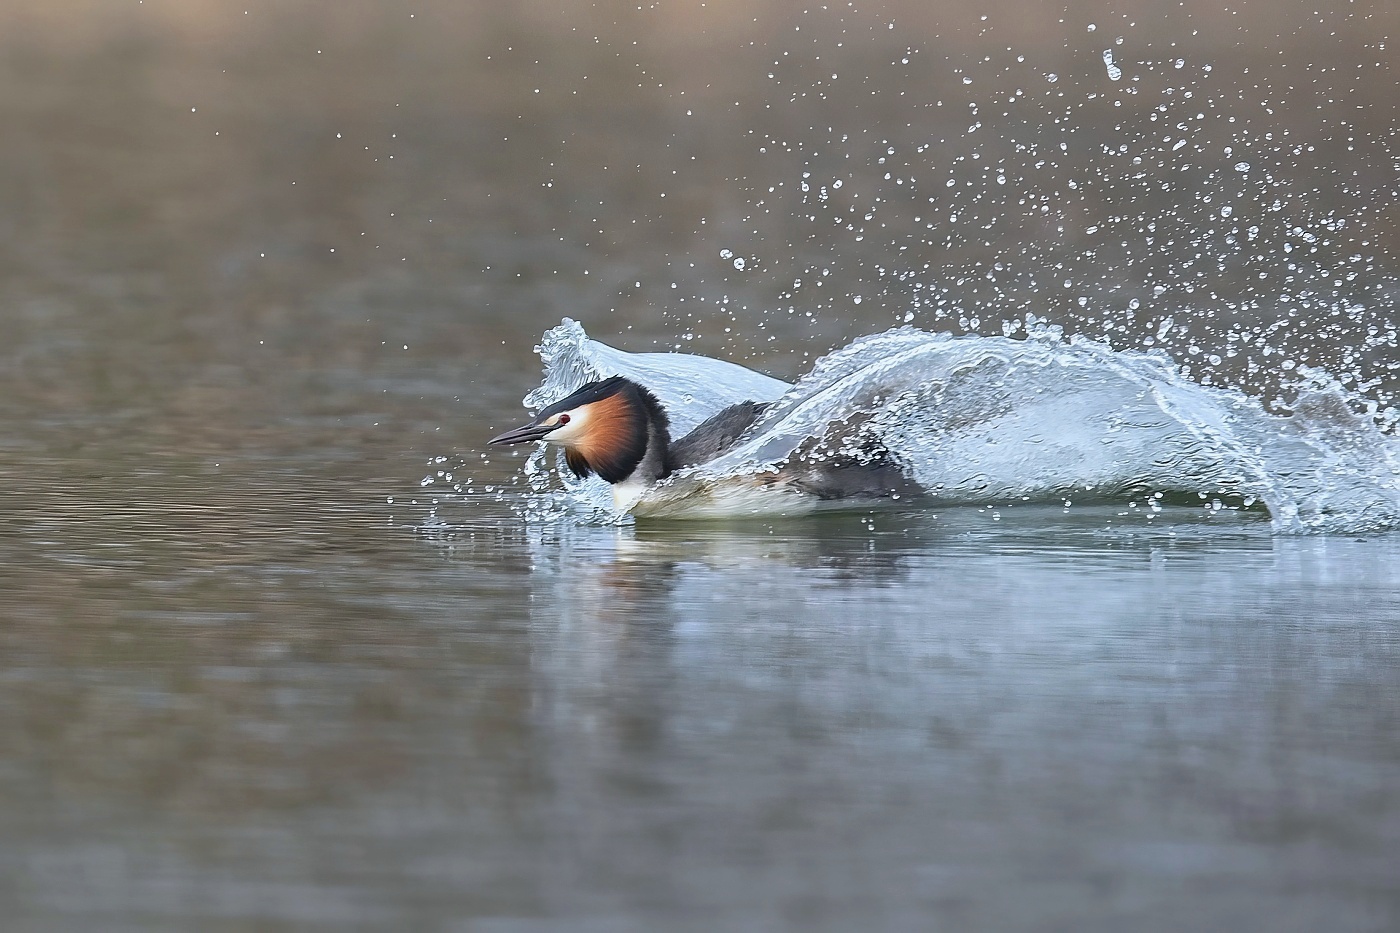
267, 266
337, 177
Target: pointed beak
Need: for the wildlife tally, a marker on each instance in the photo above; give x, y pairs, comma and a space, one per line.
524, 434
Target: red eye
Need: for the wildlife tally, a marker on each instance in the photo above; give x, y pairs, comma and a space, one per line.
563, 419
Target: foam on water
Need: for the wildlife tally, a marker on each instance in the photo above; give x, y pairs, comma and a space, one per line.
978, 419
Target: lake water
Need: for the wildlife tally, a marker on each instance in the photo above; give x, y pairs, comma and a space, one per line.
263, 668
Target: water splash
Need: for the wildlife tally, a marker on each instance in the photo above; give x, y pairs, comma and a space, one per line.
976, 419
691, 388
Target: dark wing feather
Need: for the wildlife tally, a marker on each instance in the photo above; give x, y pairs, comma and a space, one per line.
715, 435
849, 478
863, 469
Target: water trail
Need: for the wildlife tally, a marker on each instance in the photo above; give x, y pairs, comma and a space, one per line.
976, 419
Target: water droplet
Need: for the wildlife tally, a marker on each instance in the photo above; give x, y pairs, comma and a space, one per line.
1114, 72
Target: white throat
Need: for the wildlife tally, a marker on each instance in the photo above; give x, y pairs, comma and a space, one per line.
627, 492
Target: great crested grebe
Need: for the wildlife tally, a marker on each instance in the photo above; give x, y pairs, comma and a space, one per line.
617, 429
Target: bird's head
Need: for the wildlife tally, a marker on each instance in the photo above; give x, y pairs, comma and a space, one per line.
607, 427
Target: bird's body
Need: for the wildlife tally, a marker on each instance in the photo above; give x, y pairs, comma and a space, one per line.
617, 429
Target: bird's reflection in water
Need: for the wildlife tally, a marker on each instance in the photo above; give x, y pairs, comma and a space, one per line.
649, 639
845, 546
910, 684
615, 592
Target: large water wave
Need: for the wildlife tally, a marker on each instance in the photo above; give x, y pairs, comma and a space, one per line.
977, 419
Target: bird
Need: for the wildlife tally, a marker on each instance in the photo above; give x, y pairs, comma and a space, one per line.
617, 429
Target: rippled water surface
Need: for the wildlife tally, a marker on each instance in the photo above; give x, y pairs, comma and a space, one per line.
280, 650
285, 706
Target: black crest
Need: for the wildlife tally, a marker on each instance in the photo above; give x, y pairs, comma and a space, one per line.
585, 395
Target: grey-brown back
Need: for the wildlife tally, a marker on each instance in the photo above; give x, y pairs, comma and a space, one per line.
714, 435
